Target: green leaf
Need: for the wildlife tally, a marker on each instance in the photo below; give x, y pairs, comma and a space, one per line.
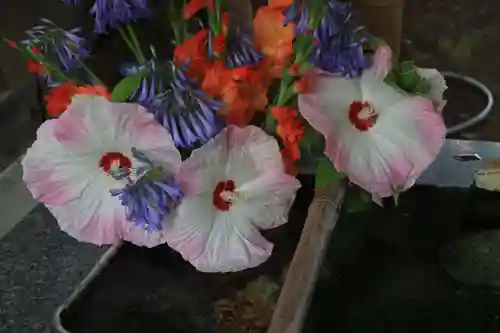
406, 67
126, 87
475, 259
391, 78
409, 81
358, 203
326, 173
302, 46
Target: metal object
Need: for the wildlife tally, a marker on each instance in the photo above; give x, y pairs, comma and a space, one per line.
457, 162
94, 272
481, 115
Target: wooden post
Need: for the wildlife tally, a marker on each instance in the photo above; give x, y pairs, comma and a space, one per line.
300, 281
241, 17
384, 19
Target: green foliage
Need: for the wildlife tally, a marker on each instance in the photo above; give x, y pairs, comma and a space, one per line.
326, 173
358, 203
405, 77
126, 87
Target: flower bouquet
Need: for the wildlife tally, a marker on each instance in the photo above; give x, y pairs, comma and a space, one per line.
201, 151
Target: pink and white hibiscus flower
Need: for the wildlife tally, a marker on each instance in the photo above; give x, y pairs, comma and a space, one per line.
383, 64
380, 137
80, 157
233, 186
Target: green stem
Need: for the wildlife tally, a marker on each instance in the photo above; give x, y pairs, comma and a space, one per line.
177, 23
91, 74
214, 18
129, 43
135, 41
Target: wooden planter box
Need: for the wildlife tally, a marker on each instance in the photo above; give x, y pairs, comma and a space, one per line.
79, 314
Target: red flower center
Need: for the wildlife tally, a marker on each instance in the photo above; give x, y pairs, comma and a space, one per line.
362, 115
113, 160
220, 194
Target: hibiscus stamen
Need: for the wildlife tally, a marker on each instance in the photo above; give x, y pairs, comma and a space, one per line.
224, 195
362, 115
115, 164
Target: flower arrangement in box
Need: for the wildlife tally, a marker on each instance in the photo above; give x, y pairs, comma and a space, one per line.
201, 151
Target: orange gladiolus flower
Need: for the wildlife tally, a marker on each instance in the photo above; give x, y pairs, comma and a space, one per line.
60, 97
289, 128
241, 89
193, 51
35, 67
281, 4
217, 77
273, 39
193, 6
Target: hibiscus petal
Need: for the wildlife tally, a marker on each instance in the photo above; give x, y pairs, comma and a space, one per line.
233, 245
381, 95
52, 174
382, 61
402, 144
96, 218
189, 231
268, 199
438, 86
119, 125
215, 239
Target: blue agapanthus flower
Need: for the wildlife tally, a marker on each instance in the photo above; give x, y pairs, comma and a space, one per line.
110, 14
150, 197
71, 2
240, 51
151, 84
63, 49
340, 48
188, 114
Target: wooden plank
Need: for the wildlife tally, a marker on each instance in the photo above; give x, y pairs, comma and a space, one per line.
300, 280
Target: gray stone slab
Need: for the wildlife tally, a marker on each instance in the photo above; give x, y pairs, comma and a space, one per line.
15, 199
39, 268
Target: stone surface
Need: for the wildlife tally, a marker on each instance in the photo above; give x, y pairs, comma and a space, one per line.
13, 194
39, 268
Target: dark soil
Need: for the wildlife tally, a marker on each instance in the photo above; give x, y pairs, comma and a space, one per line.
463, 37
155, 290
382, 272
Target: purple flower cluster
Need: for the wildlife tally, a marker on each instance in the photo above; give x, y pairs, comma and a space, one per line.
151, 84
339, 49
63, 49
112, 13
240, 51
188, 114
151, 197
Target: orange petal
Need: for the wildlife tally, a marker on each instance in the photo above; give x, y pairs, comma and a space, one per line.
302, 85
93, 90
273, 39
216, 79
58, 98
193, 6
279, 3
193, 52
35, 67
